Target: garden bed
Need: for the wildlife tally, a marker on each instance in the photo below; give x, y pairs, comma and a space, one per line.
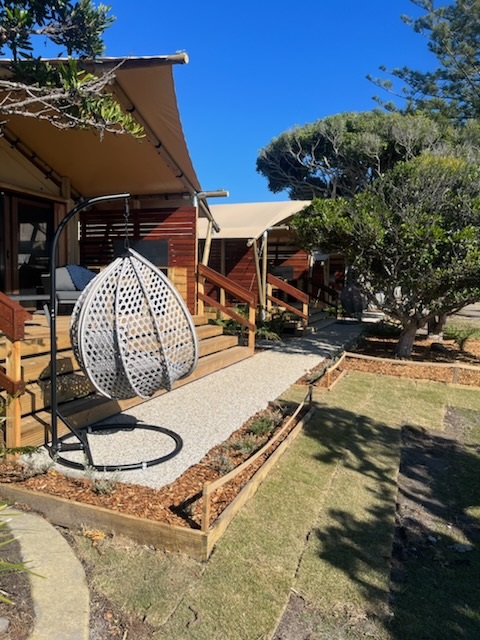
430, 360
186, 515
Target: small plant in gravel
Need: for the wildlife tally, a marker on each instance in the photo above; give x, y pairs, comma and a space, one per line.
34, 466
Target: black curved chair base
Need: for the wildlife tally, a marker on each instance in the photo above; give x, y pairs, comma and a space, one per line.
55, 453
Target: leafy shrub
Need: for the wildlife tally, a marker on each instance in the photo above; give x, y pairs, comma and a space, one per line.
101, 482
384, 329
460, 334
261, 426
244, 445
221, 463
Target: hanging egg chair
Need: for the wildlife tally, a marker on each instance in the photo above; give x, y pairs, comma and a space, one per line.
131, 331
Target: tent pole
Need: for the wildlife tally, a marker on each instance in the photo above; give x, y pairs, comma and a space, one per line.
208, 244
264, 264
259, 276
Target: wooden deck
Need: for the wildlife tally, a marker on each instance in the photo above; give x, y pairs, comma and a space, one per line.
29, 414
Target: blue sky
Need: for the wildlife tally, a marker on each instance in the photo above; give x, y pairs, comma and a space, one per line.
259, 68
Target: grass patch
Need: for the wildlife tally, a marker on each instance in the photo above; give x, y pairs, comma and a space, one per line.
321, 523
144, 582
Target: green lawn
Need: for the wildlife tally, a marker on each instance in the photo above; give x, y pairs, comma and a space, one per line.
320, 525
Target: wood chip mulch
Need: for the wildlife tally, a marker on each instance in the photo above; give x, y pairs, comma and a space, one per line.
426, 351
178, 503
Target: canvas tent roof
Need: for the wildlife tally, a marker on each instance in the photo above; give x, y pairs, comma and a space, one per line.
159, 163
250, 219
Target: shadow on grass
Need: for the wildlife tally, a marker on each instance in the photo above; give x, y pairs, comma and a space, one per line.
429, 587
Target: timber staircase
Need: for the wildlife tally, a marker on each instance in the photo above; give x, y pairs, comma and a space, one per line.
77, 399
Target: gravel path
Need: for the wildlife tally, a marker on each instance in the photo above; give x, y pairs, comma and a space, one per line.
205, 412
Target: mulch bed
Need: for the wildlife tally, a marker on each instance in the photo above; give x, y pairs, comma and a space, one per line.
424, 350
178, 503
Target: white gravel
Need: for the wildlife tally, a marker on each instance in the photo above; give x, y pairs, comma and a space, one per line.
205, 412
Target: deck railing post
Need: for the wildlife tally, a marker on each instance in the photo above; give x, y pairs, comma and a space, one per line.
222, 300
251, 332
206, 507
13, 369
201, 291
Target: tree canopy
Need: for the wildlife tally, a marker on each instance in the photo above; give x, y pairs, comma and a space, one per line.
341, 155
413, 238
452, 90
63, 93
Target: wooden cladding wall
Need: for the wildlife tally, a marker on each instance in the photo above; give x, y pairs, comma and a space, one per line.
236, 261
102, 230
283, 253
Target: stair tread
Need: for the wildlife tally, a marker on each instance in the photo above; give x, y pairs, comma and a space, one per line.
85, 411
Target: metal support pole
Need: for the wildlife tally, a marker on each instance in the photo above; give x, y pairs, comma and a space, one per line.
56, 445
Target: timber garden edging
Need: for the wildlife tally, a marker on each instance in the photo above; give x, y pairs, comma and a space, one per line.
196, 543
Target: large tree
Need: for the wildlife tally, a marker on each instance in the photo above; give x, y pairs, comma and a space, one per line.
64, 93
452, 90
340, 155
413, 238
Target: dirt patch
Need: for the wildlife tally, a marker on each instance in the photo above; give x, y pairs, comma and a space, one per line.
15, 619
302, 621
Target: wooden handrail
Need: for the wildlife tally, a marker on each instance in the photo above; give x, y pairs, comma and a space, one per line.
333, 293
217, 279
221, 281
235, 316
301, 296
287, 288
12, 324
12, 318
288, 307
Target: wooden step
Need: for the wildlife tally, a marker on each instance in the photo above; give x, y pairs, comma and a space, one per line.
37, 367
72, 382
216, 343
37, 335
94, 408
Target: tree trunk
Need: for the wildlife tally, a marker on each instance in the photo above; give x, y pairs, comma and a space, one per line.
436, 326
405, 342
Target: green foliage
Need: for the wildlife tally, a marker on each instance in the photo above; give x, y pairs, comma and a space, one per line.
272, 328
412, 237
62, 93
244, 445
77, 27
261, 426
460, 334
383, 329
230, 325
221, 463
451, 92
5, 566
341, 155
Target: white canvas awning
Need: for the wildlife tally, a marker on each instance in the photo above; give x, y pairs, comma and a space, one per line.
250, 219
157, 164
